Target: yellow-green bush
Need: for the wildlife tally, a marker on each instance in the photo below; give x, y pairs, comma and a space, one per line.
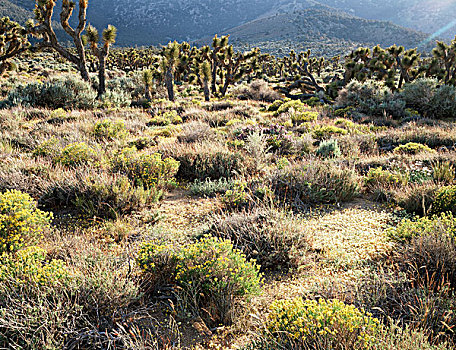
302, 117
408, 229
76, 154
412, 148
48, 148
21, 223
166, 118
108, 129
30, 265
148, 170
379, 177
210, 274
328, 324
445, 200
321, 132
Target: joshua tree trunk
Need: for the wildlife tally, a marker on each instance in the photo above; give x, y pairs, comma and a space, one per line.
170, 84
102, 75
207, 92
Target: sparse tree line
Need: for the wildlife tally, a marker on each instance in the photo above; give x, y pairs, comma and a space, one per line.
214, 68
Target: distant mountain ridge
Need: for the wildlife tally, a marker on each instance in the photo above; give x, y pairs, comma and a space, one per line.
152, 22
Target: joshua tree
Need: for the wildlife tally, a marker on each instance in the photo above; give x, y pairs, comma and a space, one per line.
43, 30
446, 56
168, 66
201, 72
13, 41
147, 78
235, 66
219, 45
92, 39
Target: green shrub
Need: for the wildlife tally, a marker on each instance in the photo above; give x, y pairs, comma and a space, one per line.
445, 200
210, 188
431, 99
148, 170
304, 117
236, 197
166, 118
302, 324
409, 229
211, 275
412, 148
372, 98
31, 265
77, 154
328, 149
321, 132
315, 183
377, 177
295, 106
115, 98
48, 148
21, 223
66, 92
108, 197
273, 107
108, 129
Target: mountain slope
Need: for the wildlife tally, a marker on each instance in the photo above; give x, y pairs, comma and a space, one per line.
151, 22
429, 16
17, 12
324, 31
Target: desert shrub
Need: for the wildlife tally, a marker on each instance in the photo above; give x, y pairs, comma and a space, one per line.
412, 148
409, 229
372, 98
323, 324
430, 99
328, 149
148, 170
414, 306
77, 154
418, 94
110, 130
273, 107
21, 223
445, 200
416, 198
272, 237
48, 148
236, 197
165, 118
377, 177
430, 257
295, 106
30, 265
108, 197
443, 172
304, 117
258, 90
209, 188
68, 92
206, 162
64, 307
142, 143
195, 132
321, 132
315, 183
115, 98
443, 103
211, 275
